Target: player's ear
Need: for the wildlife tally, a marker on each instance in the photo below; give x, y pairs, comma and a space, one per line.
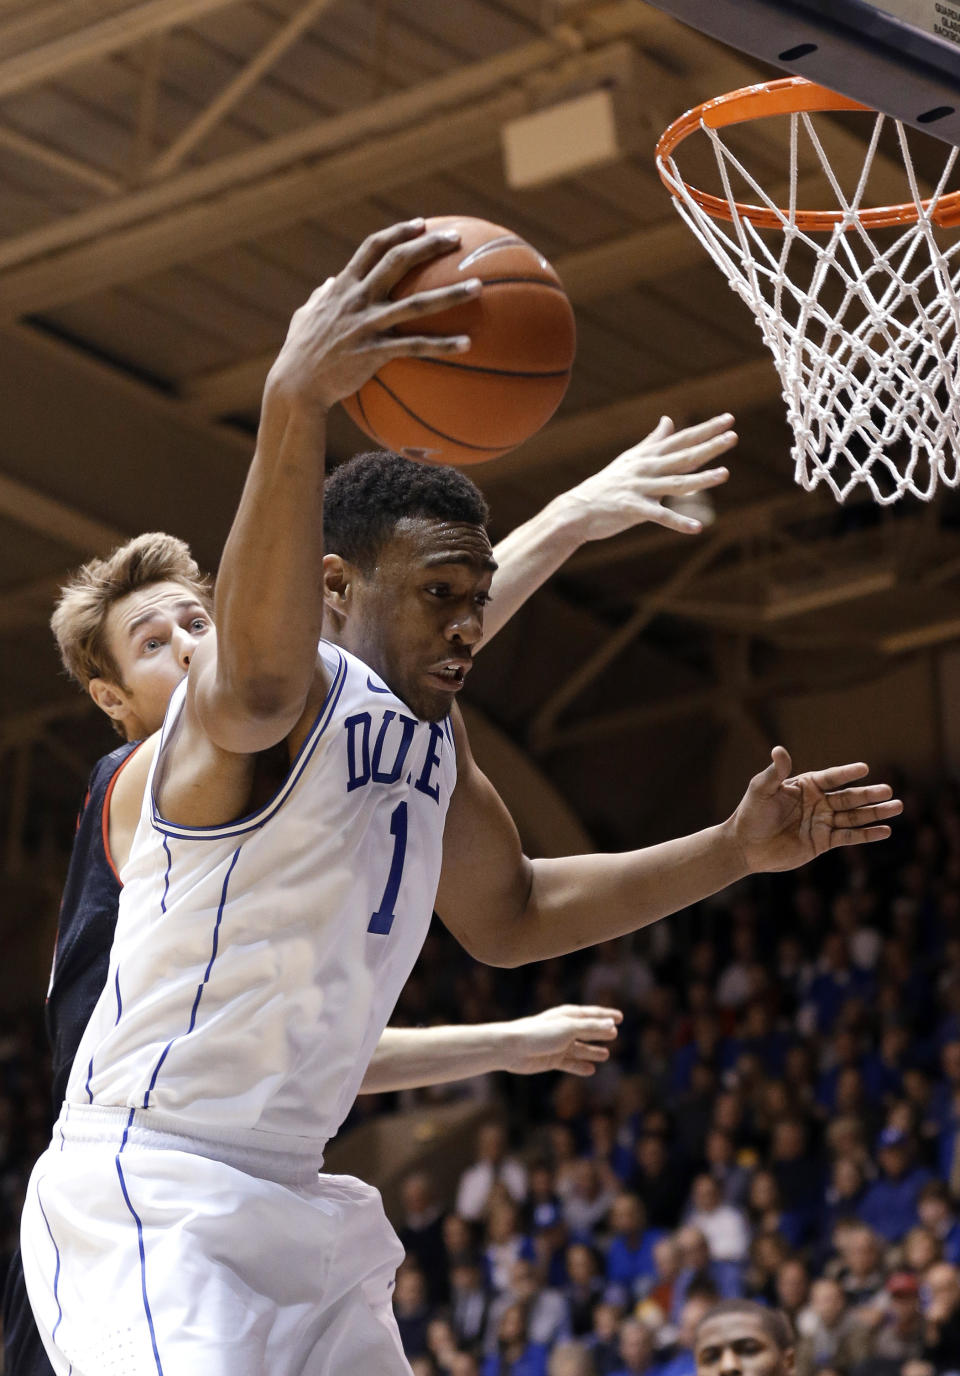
337, 585
108, 697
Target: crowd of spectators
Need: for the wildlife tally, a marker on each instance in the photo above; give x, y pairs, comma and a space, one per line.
779, 1120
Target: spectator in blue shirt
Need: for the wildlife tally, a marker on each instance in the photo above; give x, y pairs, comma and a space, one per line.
890, 1203
843, 1198
721, 1161
837, 980
605, 1148
698, 1271
630, 1253
515, 1355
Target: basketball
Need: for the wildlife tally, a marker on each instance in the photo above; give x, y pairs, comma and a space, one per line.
484, 402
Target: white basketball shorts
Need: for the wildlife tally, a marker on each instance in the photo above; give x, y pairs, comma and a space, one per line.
147, 1253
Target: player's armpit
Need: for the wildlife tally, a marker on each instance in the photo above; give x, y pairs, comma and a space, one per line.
240, 719
485, 880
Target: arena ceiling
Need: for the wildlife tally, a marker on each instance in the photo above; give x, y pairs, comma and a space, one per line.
177, 175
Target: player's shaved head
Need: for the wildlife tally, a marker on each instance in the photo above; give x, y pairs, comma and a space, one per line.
775, 1323
743, 1336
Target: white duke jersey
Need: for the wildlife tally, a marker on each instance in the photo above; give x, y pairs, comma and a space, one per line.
256, 964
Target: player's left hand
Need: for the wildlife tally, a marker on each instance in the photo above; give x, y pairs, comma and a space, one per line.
784, 821
635, 485
569, 1038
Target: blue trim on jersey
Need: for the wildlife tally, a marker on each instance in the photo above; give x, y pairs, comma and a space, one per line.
375, 687
143, 1259
116, 1021
258, 819
166, 878
56, 1274
203, 983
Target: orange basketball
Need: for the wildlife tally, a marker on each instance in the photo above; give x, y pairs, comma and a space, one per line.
474, 406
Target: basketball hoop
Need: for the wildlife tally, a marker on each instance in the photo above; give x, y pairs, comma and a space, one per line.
858, 305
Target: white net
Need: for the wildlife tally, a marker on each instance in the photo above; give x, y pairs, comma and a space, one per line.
862, 324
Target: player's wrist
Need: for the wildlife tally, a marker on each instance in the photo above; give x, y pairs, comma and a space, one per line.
296, 390
731, 849
570, 521
509, 1042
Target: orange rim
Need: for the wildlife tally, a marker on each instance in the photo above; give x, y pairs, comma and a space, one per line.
791, 95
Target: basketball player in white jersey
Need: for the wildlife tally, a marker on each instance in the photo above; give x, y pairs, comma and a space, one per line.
270, 916
132, 682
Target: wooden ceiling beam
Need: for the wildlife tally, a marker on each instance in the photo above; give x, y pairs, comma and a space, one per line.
41, 47
224, 101
55, 520
400, 110
74, 168
427, 129
247, 212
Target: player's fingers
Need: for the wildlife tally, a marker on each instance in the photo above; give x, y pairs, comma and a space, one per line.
687, 460
594, 1010
587, 1010
867, 816
417, 346
426, 303
401, 257
775, 773
589, 1051
838, 776
376, 245
597, 1030
697, 434
681, 484
859, 836
671, 520
846, 798
664, 427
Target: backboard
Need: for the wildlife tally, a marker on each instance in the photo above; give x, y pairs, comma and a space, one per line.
899, 56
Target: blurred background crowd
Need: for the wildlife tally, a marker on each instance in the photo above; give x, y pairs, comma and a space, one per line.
779, 1120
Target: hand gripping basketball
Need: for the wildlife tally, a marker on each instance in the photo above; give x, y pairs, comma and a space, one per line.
350, 326
485, 402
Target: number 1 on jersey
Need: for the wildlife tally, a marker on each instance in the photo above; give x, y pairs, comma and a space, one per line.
382, 920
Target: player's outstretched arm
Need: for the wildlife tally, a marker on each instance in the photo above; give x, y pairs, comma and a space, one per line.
630, 490
507, 910
570, 1037
250, 688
